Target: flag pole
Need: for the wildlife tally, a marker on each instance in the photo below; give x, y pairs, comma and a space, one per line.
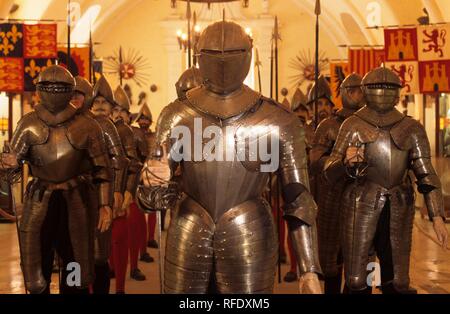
68, 36
317, 12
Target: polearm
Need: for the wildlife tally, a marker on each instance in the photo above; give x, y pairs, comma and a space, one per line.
91, 56
276, 37
188, 16
68, 36
317, 12
120, 62
160, 256
258, 65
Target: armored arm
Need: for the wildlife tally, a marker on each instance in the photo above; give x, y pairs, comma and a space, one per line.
102, 172
334, 168
428, 183
129, 144
300, 209
119, 162
322, 145
154, 194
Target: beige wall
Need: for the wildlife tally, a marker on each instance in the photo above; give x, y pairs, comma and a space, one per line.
139, 27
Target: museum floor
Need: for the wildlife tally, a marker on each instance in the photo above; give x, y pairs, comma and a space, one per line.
430, 265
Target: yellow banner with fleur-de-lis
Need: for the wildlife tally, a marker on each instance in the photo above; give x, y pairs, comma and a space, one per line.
25, 51
32, 69
11, 40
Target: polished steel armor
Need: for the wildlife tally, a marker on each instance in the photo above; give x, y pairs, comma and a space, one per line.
393, 144
85, 88
323, 90
188, 80
328, 196
225, 56
55, 87
121, 98
223, 228
103, 88
62, 148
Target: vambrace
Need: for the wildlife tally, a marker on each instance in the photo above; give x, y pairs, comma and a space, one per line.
120, 167
300, 215
435, 203
304, 243
132, 176
429, 184
102, 172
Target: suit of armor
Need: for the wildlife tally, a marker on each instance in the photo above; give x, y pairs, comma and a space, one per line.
391, 144
223, 228
328, 196
63, 149
324, 104
119, 164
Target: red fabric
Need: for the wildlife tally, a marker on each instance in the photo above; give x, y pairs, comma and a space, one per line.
119, 251
137, 229
281, 227
151, 223
292, 257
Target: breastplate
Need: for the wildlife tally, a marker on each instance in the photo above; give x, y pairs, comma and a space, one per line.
57, 160
219, 185
387, 163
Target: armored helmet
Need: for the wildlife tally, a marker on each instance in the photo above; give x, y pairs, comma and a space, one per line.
323, 90
188, 80
121, 98
55, 87
225, 54
381, 88
103, 88
351, 81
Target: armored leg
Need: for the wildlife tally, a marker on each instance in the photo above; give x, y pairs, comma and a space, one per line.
328, 221
401, 225
359, 225
34, 213
245, 247
79, 225
189, 250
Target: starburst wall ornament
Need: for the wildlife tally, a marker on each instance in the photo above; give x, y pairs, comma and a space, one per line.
303, 64
128, 66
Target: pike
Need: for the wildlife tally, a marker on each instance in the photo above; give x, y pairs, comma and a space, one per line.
317, 12
160, 256
68, 36
188, 16
258, 65
120, 62
91, 56
274, 74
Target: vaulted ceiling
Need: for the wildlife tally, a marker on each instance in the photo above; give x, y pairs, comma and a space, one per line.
343, 20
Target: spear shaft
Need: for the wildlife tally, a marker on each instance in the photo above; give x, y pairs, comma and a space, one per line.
317, 11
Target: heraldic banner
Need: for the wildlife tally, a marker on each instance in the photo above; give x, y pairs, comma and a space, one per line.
362, 60
401, 50
79, 60
338, 72
420, 56
25, 51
